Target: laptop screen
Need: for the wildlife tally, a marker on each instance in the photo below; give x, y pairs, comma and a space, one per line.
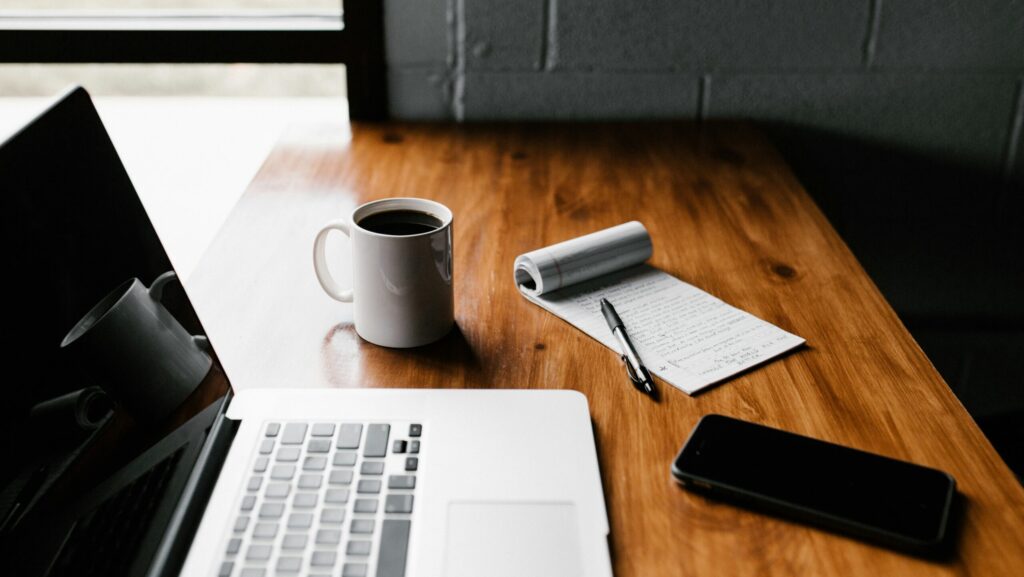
94, 314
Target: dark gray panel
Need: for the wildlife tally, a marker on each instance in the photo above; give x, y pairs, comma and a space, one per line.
951, 34
695, 34
959, 117
416, 32
419, 93
502, 35
538, 96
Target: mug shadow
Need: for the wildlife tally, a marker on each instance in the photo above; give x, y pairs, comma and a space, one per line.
350, 361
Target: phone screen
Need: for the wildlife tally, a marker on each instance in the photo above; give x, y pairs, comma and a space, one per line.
815, 478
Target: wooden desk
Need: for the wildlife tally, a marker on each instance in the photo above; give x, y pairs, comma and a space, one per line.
725, 214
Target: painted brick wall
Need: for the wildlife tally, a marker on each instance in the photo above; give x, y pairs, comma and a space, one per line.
938, 77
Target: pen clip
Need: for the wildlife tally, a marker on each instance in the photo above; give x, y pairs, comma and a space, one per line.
631, 372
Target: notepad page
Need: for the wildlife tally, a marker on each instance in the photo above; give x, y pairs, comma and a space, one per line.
685, 336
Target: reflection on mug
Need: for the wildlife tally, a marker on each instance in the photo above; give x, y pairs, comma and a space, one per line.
137, 351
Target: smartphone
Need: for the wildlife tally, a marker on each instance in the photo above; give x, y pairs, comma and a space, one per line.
875, 498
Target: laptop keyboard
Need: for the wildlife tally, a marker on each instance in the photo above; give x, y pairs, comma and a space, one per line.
326, 499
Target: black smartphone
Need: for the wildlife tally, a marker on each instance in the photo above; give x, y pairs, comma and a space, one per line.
861, 494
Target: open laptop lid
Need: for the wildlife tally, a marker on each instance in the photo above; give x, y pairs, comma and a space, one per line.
75, 234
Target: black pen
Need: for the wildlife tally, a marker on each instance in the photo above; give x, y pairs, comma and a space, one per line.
635, 368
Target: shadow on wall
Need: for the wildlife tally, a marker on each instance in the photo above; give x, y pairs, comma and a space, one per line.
943, 243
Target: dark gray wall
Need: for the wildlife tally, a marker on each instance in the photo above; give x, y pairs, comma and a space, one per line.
903, 119
938, 77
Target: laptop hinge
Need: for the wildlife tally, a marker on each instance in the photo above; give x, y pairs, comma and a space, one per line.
175, 543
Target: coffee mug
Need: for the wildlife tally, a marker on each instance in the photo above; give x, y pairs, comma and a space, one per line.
137, 351
401, 270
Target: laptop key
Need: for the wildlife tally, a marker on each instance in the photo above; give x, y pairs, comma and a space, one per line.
349, 435
304, 500
314, 464
258, 553
366, 506
260, 465
253, 572
294, 434
278, 490
323, 430
376, 440
225, 569
266, 446
272, 429
398, 446
362, 526
412, 464
354, 570
328, 537
241, 524
255, 482
234, 546
415, 430
336, 496
294, 541
319, 446
282, 472
271, 510
310, 481
368, 486
332, 516
288, 454
372, 468
342, 477
358, 548
300, 520
344, 459
401, 503
414, 447
394, 548
289, 564
264, 531
323, 559
248, 502
402, 482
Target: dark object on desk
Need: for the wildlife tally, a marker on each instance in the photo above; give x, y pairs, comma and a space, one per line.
882, 500
638, 373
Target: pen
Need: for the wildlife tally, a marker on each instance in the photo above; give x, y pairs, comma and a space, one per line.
635, 368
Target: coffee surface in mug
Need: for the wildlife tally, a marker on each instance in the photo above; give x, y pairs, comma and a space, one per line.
400, 222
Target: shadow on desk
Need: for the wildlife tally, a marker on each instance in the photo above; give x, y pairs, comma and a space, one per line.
452, 356
941, 241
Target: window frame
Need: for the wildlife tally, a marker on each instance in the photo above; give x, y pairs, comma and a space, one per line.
183, 38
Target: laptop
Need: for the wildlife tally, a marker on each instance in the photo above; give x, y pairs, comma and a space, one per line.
350, 483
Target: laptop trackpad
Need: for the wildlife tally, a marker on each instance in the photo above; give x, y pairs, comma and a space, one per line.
505, 539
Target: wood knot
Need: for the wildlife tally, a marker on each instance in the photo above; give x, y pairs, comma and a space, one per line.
393, 138
783, 270
540, 346
519, 155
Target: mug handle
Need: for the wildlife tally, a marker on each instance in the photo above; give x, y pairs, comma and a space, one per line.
323, 274
156, 290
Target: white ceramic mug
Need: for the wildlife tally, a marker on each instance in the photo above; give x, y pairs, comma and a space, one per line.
402, 284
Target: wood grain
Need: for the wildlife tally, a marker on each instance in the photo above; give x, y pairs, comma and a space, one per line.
725, 213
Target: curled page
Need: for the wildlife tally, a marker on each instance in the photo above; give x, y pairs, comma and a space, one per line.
581, 259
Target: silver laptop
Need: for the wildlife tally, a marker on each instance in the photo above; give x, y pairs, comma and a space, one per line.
385, 483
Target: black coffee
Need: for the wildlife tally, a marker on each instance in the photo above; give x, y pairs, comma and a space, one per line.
400, 222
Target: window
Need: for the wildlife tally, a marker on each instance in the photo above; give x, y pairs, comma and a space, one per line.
287, 32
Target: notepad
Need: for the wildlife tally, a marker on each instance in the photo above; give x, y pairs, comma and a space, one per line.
686, 337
